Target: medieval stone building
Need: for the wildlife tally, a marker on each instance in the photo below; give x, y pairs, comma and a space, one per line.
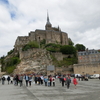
50, 34
89, 56
88, 62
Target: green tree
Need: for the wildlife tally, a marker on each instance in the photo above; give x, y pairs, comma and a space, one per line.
2, 57
10, 69
12, 61
80, 47
2, 62
10, 52
68, 49
43, 42
65, 62
70, 42
9, 63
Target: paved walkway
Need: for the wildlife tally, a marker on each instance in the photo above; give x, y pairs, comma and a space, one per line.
86, 90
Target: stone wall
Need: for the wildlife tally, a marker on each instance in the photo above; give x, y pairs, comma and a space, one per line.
87, 68
64, 70
31, 53
59, 56
60, 70
64, 38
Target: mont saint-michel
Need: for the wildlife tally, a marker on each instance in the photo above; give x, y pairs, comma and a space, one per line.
37, 59
50, 34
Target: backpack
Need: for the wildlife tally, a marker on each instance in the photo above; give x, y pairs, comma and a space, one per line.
64, 79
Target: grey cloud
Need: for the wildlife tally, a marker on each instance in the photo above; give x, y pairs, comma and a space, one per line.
79, 18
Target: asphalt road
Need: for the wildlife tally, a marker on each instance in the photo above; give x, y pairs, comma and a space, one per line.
86, 90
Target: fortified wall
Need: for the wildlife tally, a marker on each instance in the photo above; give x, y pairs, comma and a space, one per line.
87, 69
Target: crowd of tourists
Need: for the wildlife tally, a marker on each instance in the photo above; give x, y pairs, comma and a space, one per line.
37, 79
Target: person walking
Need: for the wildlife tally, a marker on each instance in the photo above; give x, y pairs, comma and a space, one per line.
3, 80
53, 81
17, 79
35, 79
75, 82
68, 81
42, 78
26, 79
45, 80
11, 79
63, 81
50, 80
8, 79
39, 80
21, 79
30, 80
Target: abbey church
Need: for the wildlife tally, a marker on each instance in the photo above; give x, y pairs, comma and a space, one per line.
50, 34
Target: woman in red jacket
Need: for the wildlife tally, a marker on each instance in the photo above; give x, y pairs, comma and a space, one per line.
75, 82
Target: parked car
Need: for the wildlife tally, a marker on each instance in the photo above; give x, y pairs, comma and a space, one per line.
89, 76
72, 75
94, 76
77, 75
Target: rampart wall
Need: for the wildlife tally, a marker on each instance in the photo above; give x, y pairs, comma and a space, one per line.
87, 68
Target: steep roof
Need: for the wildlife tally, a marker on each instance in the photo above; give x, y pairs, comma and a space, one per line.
48, 22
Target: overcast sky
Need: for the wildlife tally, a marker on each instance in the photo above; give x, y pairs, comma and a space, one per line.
79, 18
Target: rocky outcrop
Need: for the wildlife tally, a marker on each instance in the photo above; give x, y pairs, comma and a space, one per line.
33, 61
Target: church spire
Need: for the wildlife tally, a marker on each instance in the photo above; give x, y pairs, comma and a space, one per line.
48, 24
47, 17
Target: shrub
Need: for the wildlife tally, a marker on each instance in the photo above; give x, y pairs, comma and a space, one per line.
10, 69
12, 61
43, 42
10, 52
53, 47
32, 44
